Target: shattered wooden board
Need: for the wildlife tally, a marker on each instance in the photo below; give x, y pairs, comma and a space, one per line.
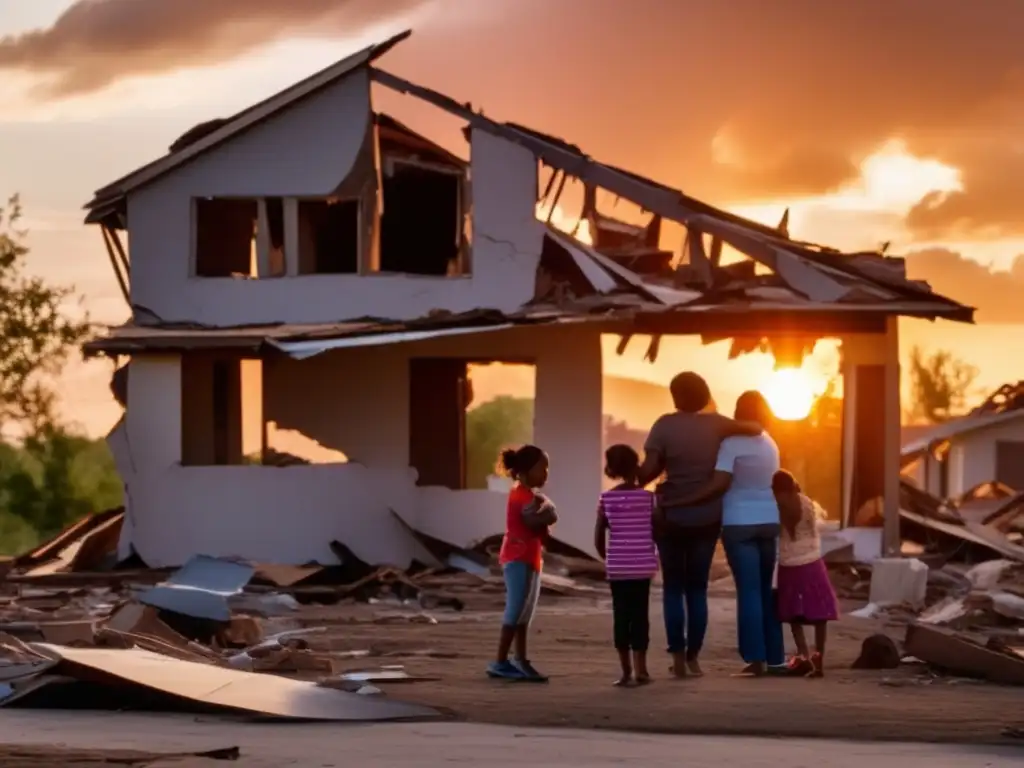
944, 649
262, 695
28, 756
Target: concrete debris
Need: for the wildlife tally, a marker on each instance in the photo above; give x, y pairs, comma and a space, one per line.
962, 620
67, 634
896, 581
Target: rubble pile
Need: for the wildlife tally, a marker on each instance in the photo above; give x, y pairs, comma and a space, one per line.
962, 603
79, 629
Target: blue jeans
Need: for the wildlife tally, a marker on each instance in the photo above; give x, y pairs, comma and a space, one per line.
686, 554
752, 560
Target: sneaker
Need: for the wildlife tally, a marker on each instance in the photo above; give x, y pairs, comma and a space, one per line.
528, 672
504, 670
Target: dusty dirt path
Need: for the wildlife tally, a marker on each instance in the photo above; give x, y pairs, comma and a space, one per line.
440, 744
571, 642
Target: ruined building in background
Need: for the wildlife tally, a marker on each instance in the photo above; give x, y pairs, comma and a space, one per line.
312, 266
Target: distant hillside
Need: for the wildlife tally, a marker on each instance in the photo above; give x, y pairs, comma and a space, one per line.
638, 403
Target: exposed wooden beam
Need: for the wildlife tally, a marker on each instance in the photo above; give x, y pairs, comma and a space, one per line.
115, 238
108, 242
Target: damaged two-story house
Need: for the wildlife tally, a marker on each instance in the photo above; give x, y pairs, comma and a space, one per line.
312, 265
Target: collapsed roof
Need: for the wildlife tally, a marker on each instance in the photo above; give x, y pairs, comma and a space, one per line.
798, 283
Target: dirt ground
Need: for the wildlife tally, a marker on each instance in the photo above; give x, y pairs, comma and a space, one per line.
571, 643
104, 735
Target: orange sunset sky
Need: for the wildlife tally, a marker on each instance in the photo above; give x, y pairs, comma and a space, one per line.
875, 121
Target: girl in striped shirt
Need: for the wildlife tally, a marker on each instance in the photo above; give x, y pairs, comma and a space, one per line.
624, 539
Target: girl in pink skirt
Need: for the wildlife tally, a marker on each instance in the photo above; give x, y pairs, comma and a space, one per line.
805, 592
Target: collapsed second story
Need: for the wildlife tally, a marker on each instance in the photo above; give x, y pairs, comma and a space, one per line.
312, 207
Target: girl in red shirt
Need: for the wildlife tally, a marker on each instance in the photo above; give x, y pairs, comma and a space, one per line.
528, 519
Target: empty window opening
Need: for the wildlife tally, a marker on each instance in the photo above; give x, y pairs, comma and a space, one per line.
225, 236
462, 414
239, 238
421, 229
275, 237
499, 416
1010, 463
221, 410
329, 241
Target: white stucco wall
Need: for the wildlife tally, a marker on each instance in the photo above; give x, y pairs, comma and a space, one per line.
973, 456
309, 150
356, 401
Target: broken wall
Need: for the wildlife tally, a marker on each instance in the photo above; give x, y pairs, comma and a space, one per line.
272, 514
356, 401
308, 151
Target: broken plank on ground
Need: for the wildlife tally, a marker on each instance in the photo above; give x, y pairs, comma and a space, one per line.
949, 651
265, 696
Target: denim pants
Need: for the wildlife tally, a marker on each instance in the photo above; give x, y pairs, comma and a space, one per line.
752, 560
686, 554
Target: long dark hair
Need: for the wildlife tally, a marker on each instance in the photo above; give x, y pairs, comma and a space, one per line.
751, 406
787, 496
518, 461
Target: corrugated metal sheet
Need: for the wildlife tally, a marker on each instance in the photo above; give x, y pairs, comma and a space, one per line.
300, 350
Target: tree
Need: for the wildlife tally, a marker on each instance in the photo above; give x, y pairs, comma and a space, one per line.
36, 335
49, 477
939, 385
490, 427
58, 479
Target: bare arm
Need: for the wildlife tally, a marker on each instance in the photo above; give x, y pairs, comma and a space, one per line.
539, 514
652, 467
716, 486
600, 533
734, 428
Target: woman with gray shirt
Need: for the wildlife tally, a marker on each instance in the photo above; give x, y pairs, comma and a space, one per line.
684, 445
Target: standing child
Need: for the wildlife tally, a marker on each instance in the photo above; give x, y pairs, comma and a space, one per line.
528, 518
805, 592
624, 539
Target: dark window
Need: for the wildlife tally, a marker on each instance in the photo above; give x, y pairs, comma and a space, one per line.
421, 229
328, 237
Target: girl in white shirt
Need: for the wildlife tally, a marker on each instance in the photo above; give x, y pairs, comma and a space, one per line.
805, 593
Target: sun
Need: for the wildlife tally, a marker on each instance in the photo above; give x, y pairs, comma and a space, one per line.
790, 393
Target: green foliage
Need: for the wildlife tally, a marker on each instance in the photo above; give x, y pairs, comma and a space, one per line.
939, 385
499, 423
54, 479
36, 335
51, 477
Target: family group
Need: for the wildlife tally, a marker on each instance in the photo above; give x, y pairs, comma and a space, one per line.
721, 482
